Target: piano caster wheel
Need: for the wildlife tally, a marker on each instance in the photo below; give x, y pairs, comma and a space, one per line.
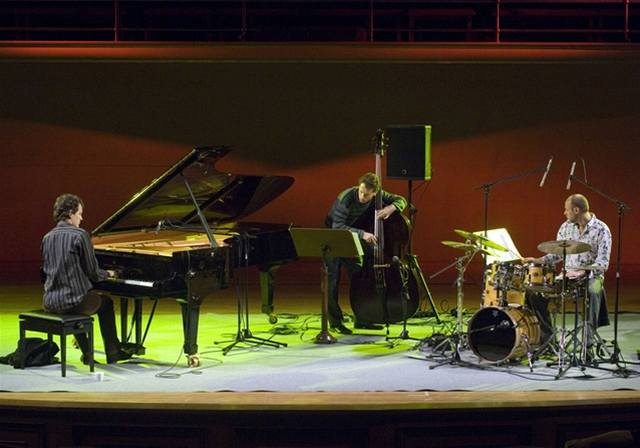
193, 360
273, 319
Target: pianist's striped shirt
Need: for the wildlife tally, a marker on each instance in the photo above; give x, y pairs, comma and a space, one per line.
70, 267
347, 208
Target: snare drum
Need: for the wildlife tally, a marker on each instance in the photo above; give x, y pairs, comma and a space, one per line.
540, 278
499, 334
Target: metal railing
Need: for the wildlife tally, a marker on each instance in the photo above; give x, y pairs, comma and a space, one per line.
569, 21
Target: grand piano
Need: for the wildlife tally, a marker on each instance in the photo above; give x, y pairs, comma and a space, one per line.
180, 237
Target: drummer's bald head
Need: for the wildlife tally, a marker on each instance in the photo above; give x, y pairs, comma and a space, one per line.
579, 201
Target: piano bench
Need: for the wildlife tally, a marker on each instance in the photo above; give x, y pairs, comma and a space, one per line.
61, 325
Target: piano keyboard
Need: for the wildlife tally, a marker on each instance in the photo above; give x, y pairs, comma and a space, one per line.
143, 283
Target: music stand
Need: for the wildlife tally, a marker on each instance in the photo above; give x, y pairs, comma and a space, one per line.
325, 243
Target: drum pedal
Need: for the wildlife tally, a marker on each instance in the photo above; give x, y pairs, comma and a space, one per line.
435, 340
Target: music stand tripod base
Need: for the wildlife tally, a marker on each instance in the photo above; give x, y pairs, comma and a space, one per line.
326, 243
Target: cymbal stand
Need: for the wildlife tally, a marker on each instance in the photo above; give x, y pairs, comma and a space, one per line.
565, 364
616, 357
587, 329
457, 340
582, 327
575, 361
243, 334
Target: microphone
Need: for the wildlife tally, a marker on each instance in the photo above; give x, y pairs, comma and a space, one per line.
395, 260
546, 172
159, 226
573, 168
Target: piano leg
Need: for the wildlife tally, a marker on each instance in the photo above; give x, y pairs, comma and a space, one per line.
124, 318
137, 320
198, 287
190, 318
267, 280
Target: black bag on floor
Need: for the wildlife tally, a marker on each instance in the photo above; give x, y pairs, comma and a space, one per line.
32, 352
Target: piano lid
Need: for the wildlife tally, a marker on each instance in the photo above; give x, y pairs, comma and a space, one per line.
222, 197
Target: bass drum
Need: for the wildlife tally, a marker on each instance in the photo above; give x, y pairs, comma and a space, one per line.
500, 334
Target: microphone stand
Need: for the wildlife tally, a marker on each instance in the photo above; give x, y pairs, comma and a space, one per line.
486, 189
457, 340
243, 333
616, 357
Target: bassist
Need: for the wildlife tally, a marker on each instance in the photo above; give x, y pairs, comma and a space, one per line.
350, 205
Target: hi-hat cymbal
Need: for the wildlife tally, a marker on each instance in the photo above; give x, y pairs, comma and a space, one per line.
459, 245
467, 247
479, 239
559, 247
589, 267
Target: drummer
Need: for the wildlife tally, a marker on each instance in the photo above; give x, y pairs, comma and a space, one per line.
582, 226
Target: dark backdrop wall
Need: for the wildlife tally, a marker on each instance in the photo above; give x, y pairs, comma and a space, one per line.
104, 128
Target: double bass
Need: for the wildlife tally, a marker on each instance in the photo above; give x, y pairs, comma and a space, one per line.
385, 290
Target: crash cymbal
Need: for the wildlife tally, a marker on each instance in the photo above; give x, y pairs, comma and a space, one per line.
479, 239
465, 234
488, 252
559, 247
468, 247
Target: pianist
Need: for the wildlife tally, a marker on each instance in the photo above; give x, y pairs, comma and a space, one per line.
350, 205
70, 268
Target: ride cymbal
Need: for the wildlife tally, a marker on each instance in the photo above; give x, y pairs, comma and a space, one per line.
570, 247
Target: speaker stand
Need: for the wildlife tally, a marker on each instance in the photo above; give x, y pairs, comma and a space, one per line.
413, 258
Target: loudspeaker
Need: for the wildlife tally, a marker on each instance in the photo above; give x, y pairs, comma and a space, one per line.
408, 152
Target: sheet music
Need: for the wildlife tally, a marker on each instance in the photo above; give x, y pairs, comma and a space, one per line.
501, 236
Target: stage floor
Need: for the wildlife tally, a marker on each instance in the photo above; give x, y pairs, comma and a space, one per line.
364, 361
362, 391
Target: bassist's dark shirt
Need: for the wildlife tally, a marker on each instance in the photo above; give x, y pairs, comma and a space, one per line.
347, 209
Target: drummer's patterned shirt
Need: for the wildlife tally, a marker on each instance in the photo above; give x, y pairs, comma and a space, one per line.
597, 235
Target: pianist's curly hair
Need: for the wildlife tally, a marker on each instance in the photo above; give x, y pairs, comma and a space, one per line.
65, 206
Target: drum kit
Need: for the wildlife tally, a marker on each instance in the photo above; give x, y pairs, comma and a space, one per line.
505, 328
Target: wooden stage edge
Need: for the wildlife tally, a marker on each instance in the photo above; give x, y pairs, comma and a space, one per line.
540, 419
316, 401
